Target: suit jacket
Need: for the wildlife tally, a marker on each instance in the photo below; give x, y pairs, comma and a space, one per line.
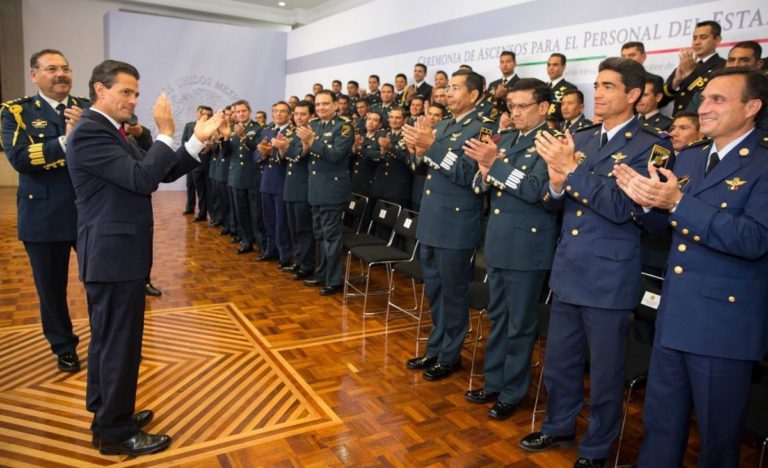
598, 262
329, 182
45, 197
113, 180
690, 86
450, 211
521, 233
715, 294
424, 90
205, 156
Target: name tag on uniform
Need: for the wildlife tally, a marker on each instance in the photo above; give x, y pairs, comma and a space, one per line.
651, 300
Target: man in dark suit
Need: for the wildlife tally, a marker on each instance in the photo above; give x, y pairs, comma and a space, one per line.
296, 192
648, 112
34, 136
695, 66
555, 71
199, 176
327, 142
519, 245
113, 181
420, 87
712, 321
449, 223
278, 238
596, 270
496, 96
572, 109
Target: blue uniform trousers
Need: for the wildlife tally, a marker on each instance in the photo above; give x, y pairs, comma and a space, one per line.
278, 238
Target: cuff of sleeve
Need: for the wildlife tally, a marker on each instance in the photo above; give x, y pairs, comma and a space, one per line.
194, 147
165, 139
556, 195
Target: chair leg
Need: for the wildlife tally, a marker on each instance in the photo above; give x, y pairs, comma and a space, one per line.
624, 422
762, 454
367, 283
347, 279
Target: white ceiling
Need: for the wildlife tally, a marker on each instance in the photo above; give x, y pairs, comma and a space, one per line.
295, 13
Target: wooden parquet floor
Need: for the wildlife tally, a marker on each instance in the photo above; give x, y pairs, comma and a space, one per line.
246, 367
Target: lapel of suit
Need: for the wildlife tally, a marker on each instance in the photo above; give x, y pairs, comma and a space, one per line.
97, 117
619, 141
729, 163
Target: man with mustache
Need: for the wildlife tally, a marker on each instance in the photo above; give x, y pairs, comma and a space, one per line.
34, 137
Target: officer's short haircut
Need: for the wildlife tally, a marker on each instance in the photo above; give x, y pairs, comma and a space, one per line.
424, 67
634, 45
757, 50
343, 97
418, 98
310, 96
579, 94
364, 101
656, 81
388, 85
205, 108
37, 55
438, 106
242, 102
317, 84
464, 66
632, 73
353, 83
369, 114
329, 93
473, 81
262, 113
442, 72
714, 26
510, 53
106, 72
561, 56
542, 92
376, 77
692, 116
282, 103
336, 82
756, 86
397, 109
401, 75
307, 105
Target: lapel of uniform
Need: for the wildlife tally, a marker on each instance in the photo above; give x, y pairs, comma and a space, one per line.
619, 141
525, 142
729, 164
49, 113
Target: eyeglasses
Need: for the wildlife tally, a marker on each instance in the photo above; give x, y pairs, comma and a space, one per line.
53, 69
522, 107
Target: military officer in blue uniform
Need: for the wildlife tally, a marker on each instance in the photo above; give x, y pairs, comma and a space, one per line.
519, 245
449, 224
392, 180
327, 141
647, 108
712, 320
596, 270
695, 66
296, 192
572, 110
278, 238
245, 178
34, 137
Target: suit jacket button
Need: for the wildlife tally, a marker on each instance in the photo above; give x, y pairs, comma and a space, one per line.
335, 178
731, 299
428, 192
579, 213
31, 196
496, 211
696, 238
499, 193
685, 231
575, 232
533, 230
429, 176
682, 248
673, 223
723, 205
289, 172
576, 194
314, 172
458, 209
678, 270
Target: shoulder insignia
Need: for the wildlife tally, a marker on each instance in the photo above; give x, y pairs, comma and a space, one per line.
346, 130
764, 141
654, 131
586, 127
485, 119
735, 183
20, 100
659, 156
703, 141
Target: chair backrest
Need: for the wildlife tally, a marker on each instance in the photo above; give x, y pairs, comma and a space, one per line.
406, 224
384, 214
651, 297
355, 209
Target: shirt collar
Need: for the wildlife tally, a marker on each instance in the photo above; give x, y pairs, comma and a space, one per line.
704, 59
651, 114
52, 102
555, 82
727, 149
612, 133
111, 120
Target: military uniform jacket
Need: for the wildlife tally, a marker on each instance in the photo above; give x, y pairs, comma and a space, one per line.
364, 166
374, 99
329, 181
393, 174
489, 101
424, 90
45, 197
296, 187
220, 167
557, 95
114, 179
715, 294
383, 111
244, 170
521, 234
273, 177
451, 213
691, 85
658, 120
598, 259
580, 123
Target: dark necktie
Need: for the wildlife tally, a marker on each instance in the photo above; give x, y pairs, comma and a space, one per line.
60, 109
122, 132
714, 159
641, 118
504, 81
603, 140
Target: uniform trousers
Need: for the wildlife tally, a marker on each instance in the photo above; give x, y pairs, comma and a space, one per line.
300, 222
278, 235
326, 226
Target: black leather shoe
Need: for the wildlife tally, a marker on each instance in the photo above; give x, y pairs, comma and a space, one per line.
421, 362
481, 396
285, 265
68, 362
266, 258
330, 290
142, 418
538, 441
441, 371
313, 282
224, 232
244, 249
199, 219
140, 444
150, 290
501, 410
301, 274
589, 463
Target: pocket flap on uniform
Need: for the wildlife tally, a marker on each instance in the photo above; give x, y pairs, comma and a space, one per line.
732, 289
114, 229
615, 249
33, 191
